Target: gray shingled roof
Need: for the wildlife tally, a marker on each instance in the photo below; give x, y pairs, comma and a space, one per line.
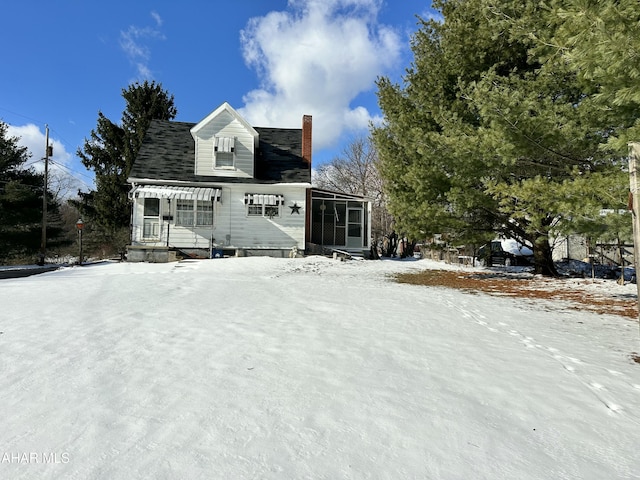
168, 153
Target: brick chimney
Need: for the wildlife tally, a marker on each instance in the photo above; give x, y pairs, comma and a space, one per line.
306, 139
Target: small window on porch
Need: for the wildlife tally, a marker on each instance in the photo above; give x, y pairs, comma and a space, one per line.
191, 213
184, 212
204, 212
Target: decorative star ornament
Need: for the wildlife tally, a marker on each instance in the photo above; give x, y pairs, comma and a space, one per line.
295, 208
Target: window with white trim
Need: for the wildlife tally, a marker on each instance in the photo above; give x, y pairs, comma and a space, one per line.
184, 212
204, 212
190, 212
263, 205
224, 152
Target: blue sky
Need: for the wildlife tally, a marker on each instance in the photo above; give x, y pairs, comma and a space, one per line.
272, 60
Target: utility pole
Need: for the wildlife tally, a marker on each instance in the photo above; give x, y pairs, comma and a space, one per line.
634, 161
47, 151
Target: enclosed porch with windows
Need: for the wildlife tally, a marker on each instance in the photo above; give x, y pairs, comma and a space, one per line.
338, 222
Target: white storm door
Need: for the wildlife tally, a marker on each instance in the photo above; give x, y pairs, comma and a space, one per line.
354, 227
151, 219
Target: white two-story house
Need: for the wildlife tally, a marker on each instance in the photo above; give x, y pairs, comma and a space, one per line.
224, 187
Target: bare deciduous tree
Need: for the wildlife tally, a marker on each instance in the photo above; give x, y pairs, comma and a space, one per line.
61, 185
355, 172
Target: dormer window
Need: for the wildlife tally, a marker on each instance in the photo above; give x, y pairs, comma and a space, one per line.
224, 152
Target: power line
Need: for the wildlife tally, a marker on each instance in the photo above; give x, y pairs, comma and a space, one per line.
58, 134
20, 115
31, 163
64, 141
73, 174
69, 169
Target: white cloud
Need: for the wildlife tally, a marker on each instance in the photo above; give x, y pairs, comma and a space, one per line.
134, 43
432, 15
31, 137
316, 58
157, 18
34, 139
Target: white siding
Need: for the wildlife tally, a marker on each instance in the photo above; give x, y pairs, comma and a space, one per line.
232, 228
226, 125
285, 231
181, 237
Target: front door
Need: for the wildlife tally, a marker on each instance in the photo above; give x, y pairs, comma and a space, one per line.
354, 227
151, 219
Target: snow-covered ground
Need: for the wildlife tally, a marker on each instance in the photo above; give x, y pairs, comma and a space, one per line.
244, 368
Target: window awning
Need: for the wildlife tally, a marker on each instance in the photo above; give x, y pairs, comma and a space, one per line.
184, 193
263, 199
225, 144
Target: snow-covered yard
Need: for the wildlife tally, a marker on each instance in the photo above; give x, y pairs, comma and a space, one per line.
309, 368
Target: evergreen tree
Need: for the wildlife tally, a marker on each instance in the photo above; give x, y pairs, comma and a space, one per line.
20, 201
600, 41
490, 134
110, 153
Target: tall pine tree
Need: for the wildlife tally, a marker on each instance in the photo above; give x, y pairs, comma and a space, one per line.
20, 201
490, 134
110, 153
600, 41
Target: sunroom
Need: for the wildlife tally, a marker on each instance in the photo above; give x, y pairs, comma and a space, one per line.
339, 221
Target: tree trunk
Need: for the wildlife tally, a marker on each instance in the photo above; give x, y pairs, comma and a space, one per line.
621, 254
543, 258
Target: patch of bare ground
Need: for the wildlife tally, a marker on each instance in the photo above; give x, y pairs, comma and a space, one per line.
531, 287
